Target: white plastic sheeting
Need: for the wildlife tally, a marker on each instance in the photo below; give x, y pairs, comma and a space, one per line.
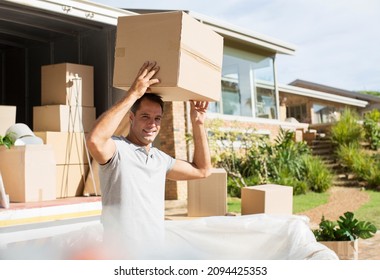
249, 237
260, 236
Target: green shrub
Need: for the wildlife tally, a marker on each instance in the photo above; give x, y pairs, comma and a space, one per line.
318, 177
250, 159
372, 128
363, 165
287, 179
347, 130
348, 154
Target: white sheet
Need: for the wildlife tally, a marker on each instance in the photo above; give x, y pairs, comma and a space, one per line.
256, 237
261, 236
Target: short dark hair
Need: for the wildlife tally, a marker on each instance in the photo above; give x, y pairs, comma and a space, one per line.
150, 96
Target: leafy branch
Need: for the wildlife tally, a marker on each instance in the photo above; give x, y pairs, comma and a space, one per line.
346, 228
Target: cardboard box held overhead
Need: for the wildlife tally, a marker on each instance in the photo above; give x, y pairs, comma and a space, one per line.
188, 52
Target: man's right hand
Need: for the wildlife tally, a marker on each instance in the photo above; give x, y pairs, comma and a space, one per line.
144, 79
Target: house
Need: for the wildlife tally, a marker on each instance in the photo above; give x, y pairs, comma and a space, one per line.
37, 33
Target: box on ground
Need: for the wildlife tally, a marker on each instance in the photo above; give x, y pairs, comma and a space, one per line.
67, 84
29, 173
188, 52
63, 118
208, 197
70, 180
7, 118
69, 147
269, 199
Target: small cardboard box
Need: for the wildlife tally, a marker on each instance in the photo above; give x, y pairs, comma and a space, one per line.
7, 118
188, 52
29, 173
63, 118
69, 147
208, 197
67, 84
70, 180
269, 199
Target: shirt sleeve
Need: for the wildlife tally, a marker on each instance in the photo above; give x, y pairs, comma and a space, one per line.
114, 160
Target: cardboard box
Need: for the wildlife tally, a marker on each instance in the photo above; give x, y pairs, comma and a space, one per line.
208, 197
29, 173
189, 54
67, 84
70, 180
63, 118
92, 184
269, 199
7, 118
69, 147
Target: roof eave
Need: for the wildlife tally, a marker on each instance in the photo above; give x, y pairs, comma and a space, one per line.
244, 35
78, 8
322, 95
108, 15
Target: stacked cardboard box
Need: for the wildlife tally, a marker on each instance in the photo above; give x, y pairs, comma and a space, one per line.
66, 114
7, 118
28, 173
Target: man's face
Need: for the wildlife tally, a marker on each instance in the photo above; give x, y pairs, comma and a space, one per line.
146, 123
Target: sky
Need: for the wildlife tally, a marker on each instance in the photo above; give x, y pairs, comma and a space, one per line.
337, 42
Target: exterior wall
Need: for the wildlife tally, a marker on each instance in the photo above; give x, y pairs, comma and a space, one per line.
172, 140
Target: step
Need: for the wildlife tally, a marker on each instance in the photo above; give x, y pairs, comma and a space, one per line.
319, 143
345, 183
322, 151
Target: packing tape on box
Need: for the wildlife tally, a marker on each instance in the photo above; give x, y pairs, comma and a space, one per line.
191, 52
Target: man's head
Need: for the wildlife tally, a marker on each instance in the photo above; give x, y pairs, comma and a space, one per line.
145, 117
150, 96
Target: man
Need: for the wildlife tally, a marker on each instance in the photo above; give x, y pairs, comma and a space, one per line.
132, 172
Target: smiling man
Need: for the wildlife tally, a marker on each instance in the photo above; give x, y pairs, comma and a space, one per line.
132, 172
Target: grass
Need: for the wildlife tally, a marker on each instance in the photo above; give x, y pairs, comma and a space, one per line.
310, 200
368, 212
371, 210
301, 202
233, 205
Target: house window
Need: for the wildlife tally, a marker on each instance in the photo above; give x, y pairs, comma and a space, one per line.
325, 114
248, 87
298, 112
265, 103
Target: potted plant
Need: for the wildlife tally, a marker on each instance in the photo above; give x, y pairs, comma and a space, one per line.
342, 236
6, 140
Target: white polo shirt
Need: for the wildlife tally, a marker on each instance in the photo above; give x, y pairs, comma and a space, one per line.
133, 194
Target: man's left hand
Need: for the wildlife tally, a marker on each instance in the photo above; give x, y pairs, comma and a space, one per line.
198, 111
